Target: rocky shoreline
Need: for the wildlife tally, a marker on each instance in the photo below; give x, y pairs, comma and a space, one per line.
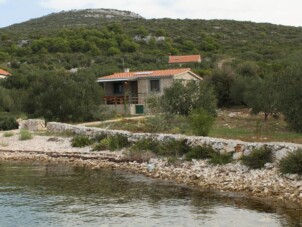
234, 177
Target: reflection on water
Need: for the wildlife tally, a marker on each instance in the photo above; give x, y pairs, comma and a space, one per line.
35, 194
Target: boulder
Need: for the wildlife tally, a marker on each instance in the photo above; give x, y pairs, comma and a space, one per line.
237, 155
33, 125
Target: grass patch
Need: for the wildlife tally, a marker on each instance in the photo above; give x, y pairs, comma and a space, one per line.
252, 128
220, 159
258, 157
25, 135
8, 134
230, 124
81, 141
292, 163
160, 123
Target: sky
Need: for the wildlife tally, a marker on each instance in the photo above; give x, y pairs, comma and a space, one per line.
285, 12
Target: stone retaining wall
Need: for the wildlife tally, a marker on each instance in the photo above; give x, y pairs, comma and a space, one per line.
237, 147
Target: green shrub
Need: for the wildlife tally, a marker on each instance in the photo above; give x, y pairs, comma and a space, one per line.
99, 137
102, 145
201, 122
292, 163
144, 145
220, 159
258, 157
113, 143
8, 134
81, 141
166, 123
117, 142
25, 135
181, 98
200, 152
8, 123
173, 147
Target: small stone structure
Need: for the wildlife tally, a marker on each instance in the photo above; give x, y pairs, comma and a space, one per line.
236, 147
33, 125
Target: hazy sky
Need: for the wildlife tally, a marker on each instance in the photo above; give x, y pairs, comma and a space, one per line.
287, 12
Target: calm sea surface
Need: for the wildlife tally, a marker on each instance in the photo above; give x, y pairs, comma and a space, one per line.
39, 194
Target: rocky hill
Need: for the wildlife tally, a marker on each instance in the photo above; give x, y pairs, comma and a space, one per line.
102, 41
76, 18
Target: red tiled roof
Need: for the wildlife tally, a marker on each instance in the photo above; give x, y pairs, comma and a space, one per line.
184, 59
4, 73
150, 73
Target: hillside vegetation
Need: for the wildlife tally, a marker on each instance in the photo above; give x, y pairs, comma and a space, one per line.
100, 42
244, 63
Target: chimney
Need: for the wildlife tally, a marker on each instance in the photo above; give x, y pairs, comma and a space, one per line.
126, 70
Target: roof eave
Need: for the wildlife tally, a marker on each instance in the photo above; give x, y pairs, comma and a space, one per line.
112, 80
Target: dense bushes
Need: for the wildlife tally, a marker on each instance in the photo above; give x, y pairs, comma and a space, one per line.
290, 98
112, 142
220, 159
6, 101
58, 97
143, 149
175, 148
182, 98
292, 163
145, 145
8, 123
200, 152
194, 99
258, 158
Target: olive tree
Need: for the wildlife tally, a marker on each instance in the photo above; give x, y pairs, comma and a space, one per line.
181, 98
290, 95
261, 95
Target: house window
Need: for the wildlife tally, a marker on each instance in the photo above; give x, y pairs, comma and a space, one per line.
154, 86
118, 88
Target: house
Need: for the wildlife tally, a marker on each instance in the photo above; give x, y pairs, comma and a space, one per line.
134, 87
184, 59
4, 74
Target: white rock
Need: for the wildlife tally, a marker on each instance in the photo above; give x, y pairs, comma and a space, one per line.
281, 154
33, 125
269, 165
237, 155
150, 167
291, 176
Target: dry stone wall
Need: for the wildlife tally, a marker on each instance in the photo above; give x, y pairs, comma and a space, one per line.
237, 147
